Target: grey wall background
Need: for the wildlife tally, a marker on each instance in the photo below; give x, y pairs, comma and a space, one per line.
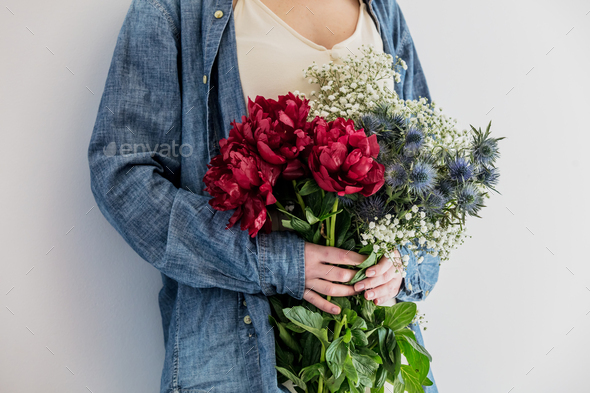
510, 312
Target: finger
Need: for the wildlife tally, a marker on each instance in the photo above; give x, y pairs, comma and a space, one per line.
380, 268
374, 282
383, 292
331, 289
335, 273
341, 256
320, 302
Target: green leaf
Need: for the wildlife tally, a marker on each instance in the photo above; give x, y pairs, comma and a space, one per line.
359, 323
277, 306
297, 381
342, 302
311, 218
309, 188
350, 371
380, 379
308, 320
333, 383
413, 352
336, 355
410, 378
330, 214
309, 372
348, 245
367, 309
360, 275
300, 225
295, 328
311, 350
366, 249
347, 336
387, 343
314, 201
285, 335
427, 382
365, 366
399, 315
343, 224
317, 235
408, 335
328, 203
287, 224
359, 338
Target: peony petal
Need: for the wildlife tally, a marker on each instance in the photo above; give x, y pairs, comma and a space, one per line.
268, 155
374, 146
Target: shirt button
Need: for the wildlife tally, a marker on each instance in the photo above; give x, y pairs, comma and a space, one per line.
218, 14
334, 54
244, 303
247, 319
205, 79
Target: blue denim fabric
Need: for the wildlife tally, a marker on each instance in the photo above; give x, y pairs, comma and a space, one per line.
172, 89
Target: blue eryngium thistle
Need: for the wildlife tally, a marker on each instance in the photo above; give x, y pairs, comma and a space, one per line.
446, 188
370, 122
488, 176
469, 199
371, 208
460, 169
396, 175
422, 177
486, 152
434, 201
414, 139
485, 149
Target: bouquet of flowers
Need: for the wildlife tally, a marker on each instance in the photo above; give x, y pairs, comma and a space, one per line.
357, 168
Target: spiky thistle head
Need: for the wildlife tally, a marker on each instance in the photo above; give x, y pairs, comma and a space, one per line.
460, 169
434, 201
370, 122
422, 177
396, 175
485, 149
469, 199
489, 177
413, 141
446, 188
371, 208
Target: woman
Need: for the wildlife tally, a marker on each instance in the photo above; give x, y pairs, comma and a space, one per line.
180, 74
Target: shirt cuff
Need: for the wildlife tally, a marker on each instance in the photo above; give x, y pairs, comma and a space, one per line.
281, 260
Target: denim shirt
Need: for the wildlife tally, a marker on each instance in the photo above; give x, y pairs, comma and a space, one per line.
172, 89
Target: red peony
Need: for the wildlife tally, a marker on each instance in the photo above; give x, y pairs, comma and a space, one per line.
342, 158
277, 130
239, 179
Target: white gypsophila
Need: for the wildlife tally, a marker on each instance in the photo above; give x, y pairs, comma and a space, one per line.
356, 86
389, 233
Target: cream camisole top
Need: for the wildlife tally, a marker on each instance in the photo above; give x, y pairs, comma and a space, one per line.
272, 55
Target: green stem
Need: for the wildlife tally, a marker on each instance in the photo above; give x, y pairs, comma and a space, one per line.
338, 327
332, 234
299, 199
279, 205
321, 379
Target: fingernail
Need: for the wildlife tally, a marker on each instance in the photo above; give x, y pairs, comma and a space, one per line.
360, 287
377, 301
370, 295
370, 273
335, 310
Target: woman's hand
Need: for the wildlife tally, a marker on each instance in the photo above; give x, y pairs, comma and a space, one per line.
382, 282
321, 275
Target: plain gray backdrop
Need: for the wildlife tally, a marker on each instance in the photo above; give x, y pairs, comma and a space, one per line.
510, 312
